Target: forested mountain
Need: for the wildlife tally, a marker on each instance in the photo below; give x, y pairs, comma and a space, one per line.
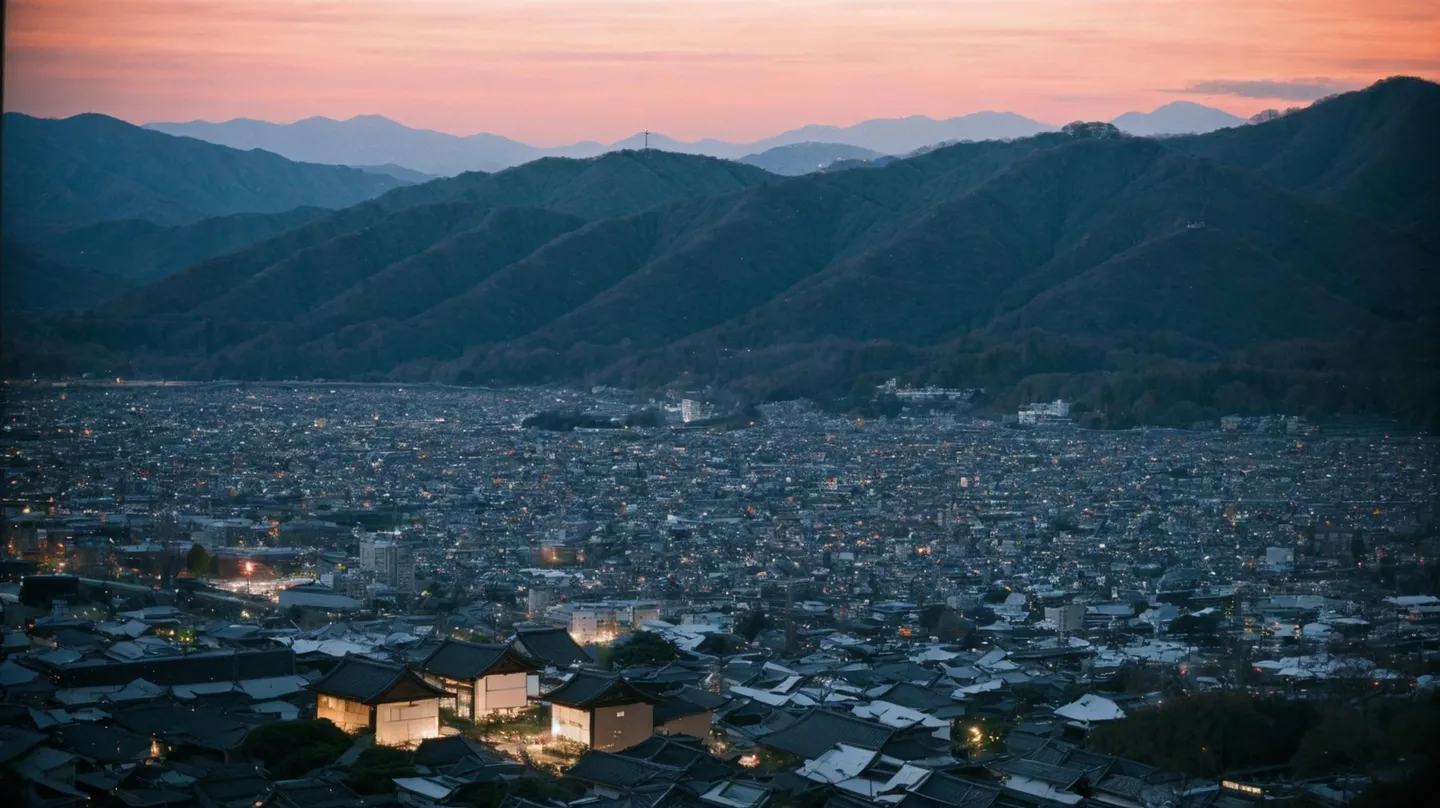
35, 285
1252, 268
140, 251
60, 174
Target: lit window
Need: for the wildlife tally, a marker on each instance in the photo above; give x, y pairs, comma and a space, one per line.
619, 713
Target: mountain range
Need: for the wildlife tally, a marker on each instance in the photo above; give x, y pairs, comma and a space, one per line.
64, 174
1284, 265
372, 139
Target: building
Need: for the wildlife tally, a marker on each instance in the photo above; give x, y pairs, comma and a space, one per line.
550, 646
491, 679
392, 562
318, 596
400, 707
603, 622
691, 410
1067, 619
601, 712
1280, 559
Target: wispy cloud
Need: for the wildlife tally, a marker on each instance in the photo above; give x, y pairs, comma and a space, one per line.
1292, 90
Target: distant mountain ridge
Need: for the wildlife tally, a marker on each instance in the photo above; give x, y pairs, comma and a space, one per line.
1177, 118
79, 171
373, 140
1282, 265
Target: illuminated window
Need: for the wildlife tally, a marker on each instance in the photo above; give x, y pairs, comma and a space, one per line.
619, 713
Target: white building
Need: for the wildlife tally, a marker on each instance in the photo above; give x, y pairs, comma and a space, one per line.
1067, 619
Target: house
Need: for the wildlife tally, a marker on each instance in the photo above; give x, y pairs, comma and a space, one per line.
679, 715
490, 679
399, 706
601, 712
550, 646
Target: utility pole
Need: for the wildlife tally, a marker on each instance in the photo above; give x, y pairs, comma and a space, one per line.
647, 140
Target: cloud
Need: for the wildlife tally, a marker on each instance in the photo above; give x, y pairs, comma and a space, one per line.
1293, 90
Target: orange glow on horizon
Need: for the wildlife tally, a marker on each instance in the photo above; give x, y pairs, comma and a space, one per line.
557, 71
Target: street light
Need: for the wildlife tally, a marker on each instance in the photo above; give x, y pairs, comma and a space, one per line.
249, 568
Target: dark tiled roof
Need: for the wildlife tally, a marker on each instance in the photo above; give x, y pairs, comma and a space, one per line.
369, 682
675, 708
314, 793
1059, 776
619, 771
819, 730
467, 660
588, 689
552, 646
104, 744
916, 697
447, 751
940, 789
668, 750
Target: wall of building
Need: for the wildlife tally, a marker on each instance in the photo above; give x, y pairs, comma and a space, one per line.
407, 723
500, 692
569, 724
619, 728
696, 726
351, 716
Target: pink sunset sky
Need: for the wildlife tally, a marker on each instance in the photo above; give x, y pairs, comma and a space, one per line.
556, 71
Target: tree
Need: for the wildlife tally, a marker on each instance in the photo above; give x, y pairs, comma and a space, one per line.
645, 648
376, 768
197, 561
289, 749
752, 624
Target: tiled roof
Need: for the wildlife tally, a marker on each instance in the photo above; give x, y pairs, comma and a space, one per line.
608, 768
588, 689
1059, 776
552, 646
466, 660
367, 682
819, 730
940, 789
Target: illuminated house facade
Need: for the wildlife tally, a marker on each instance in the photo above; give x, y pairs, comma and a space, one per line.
601, 712
399, 706
488, 679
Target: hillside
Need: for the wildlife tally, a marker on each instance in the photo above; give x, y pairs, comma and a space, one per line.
73, 172
1370, 152
1068, 263
34, 285
139, 251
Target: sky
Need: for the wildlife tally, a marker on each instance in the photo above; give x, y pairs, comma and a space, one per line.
551, 72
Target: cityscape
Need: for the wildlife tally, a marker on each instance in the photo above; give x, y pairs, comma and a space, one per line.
405, 592
720, 404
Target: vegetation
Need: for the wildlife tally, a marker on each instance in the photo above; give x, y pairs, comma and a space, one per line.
376, 767
1151, 282
198, 561
1206, 735
289, 749
751, 624
642, 648
56, 179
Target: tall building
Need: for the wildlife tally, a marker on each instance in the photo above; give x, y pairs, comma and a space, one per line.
392, 562
1067, 619
691, 410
